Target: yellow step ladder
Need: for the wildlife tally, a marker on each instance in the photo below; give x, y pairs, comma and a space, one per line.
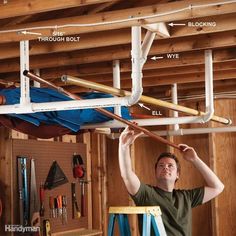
151, 217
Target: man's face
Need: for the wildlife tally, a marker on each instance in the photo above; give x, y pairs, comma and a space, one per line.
167, 170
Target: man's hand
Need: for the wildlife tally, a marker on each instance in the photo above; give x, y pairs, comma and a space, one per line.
130, 179
128, 136
189, 154
213, 185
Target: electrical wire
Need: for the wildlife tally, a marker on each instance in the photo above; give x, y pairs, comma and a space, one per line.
56, 27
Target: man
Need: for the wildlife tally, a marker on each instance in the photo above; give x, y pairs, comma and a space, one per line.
175, 204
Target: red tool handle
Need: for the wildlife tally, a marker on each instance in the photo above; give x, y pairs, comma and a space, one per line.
82, 192
41, 196
59, 201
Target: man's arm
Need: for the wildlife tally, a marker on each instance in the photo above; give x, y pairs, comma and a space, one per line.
130, 179
213, 184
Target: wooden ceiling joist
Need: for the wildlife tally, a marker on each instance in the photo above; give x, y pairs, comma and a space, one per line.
27, 7
123, 52
180, 71
153, 82
123, 36
86, 41
129, 14
220, 23
103, 74
168, 80
194, 88
185, 58
190, 88
91, 57
103, 6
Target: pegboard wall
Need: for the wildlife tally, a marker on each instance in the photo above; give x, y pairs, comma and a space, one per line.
44, 153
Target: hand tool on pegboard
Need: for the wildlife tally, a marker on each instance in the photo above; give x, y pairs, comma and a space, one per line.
64, 209
75, 207
52, 208
20, 189
79, 173
41, 196
55, 207
46, 228
78, 166
34, 200
59, 205
82, 192
23, 190
55, 177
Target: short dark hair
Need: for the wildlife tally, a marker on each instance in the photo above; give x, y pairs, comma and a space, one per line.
169, 155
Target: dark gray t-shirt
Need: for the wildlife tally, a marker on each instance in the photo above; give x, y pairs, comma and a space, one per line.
175, 206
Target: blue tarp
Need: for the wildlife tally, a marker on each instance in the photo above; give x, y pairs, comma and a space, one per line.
71, 119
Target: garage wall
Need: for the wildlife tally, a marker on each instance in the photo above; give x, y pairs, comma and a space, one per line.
225, 163
217, 150
191, 178
213, 218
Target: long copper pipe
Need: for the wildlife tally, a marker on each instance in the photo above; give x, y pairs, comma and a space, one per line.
145, 99
101, 110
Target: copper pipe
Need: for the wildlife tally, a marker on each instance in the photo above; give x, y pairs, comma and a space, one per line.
144, 99
101, 110
2, 100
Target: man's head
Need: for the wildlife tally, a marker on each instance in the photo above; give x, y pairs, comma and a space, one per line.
167, 167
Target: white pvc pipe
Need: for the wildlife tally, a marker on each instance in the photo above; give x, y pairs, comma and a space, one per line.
209, 101
136, 66
63, 105
24, 65
174, 120
147, 122
178, 120
146, 45
196, 131
185, 132
112, 102
116, 82
26, 107
174, 96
